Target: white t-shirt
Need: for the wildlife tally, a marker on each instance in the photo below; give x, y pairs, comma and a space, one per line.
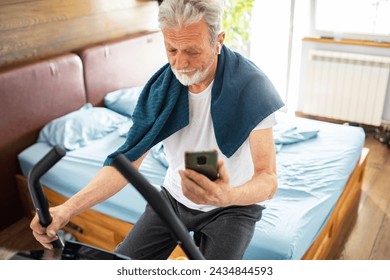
199, 136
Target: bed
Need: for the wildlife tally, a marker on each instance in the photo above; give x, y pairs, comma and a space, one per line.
320, 165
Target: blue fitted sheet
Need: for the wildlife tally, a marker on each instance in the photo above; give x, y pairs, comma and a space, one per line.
311, 176
312, 172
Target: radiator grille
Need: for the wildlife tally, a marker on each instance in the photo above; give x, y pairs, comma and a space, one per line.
345, 86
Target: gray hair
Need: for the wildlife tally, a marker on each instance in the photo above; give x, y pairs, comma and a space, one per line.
182, 13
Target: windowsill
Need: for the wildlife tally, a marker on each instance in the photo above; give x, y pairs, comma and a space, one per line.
331, 40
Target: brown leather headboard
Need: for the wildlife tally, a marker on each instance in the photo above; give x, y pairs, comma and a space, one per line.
35, 94
30, 97
120, 64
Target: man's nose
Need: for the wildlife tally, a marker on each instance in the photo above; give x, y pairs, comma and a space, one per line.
181, 61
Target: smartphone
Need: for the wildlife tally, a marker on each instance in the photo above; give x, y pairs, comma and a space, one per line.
204, 162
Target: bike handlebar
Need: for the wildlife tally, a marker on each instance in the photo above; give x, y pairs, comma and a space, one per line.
37, 194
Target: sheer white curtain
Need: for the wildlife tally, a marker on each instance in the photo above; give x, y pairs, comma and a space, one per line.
276, 33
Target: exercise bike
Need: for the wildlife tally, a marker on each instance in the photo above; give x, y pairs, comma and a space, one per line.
74, 250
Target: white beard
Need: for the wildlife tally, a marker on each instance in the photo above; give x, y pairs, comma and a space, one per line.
196, 78
187, 80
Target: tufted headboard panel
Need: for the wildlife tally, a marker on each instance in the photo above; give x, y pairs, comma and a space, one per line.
120, 64
30, 97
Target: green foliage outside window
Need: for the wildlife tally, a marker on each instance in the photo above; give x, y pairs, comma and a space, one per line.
236, 23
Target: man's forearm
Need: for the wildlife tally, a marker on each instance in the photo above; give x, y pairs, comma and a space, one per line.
260, 188
105, 184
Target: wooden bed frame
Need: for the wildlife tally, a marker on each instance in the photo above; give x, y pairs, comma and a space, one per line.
62, 84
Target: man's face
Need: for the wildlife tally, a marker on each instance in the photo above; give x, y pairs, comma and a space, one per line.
190, 54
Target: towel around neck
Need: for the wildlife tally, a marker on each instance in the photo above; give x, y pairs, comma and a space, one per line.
242, 96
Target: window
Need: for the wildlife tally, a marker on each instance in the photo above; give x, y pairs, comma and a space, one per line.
352, 19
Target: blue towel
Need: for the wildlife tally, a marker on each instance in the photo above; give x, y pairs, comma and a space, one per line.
242, 96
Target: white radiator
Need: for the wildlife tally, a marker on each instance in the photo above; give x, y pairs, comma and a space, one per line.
345, 86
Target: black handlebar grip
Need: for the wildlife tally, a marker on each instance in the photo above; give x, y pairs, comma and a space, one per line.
37, 194
159, 204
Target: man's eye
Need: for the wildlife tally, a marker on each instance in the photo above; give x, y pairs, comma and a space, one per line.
192, 53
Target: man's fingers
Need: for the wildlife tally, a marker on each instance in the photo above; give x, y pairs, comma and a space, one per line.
222, 171
36, 226
43, 235
44, 240
51, 234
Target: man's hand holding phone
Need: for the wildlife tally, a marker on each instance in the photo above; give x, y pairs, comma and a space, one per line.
205, 179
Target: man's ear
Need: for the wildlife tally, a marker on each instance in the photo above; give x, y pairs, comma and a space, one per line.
220, 39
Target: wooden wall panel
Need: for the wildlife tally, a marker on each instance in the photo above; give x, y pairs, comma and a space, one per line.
36, 29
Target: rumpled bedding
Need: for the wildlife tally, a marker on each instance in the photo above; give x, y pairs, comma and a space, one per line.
314, 161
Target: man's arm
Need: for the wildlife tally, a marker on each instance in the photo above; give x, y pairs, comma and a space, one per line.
263, 184
107, 182
260, 187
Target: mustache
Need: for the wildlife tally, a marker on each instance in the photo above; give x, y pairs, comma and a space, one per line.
184, 70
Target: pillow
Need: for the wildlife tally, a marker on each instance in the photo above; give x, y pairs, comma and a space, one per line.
124, 128
123, 101
76, 129
293, 134
158, 153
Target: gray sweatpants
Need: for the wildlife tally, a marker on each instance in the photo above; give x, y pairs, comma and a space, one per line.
222, 233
